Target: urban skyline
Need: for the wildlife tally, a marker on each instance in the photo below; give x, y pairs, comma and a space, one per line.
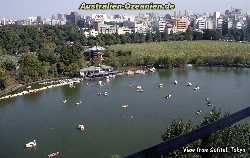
11, 9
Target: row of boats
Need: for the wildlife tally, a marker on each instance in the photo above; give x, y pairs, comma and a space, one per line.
143, 72
69, 82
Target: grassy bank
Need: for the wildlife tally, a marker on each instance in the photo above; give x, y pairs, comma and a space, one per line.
178, 53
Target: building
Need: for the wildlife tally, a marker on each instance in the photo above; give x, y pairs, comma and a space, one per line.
201, 23
129, 24
3, 22
230, 23
99, 17
216, 16
32, 20
238, 25
219, 24
170, 28
141, 27
99, 71
162, 25
210, 24
181, 24
91, 32
94, 53
107, 28
123, 30
73, 18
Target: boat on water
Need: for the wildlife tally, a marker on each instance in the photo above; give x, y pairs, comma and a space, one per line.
139, 89
161, 85
197, 88
65, 101
198, 112
53, 154
175, 82
78, 103
140, 72
71, 85
189, 65
189, 84
153, 69
31, 144
100, 83
125, 106
81, 127
168, 96
106, 94
130, 72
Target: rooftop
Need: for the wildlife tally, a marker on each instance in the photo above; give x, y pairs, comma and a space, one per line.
95, 48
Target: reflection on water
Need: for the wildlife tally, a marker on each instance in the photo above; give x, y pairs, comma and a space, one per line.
32, 98
71, 92
165, 74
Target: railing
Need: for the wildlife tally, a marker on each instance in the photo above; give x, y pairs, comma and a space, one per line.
163, 148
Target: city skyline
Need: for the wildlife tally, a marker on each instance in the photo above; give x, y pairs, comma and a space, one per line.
22, 9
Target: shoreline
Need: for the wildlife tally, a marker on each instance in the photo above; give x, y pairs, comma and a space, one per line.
128, 71
49, 85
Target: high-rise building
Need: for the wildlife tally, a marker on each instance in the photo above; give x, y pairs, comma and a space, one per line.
4, 22
219, 24
216, 17
73, 18
248, 28
181, 24
230, 24
238, 25
32, 20
210, 24
201, 23
99, 17
162, 25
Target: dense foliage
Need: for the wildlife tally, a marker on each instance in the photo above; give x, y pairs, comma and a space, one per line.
34, 53
234, 136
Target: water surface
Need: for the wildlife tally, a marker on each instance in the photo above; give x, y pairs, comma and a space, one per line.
109, 128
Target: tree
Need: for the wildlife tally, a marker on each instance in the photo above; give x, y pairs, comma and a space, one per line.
197, 35
71, 54
46, 55
225, 28
234, 136
164, 36
31, 69
2, 78
212, 35
189, 34
149, 37
9, 62
157, 36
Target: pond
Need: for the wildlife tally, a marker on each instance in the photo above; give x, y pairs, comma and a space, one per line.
109, 127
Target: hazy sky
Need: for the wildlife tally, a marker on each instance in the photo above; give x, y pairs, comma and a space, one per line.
24, 8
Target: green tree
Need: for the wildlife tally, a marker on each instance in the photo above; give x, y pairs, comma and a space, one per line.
71, 54
2, 78
189, 34
234, 136
149, 37
31, 69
